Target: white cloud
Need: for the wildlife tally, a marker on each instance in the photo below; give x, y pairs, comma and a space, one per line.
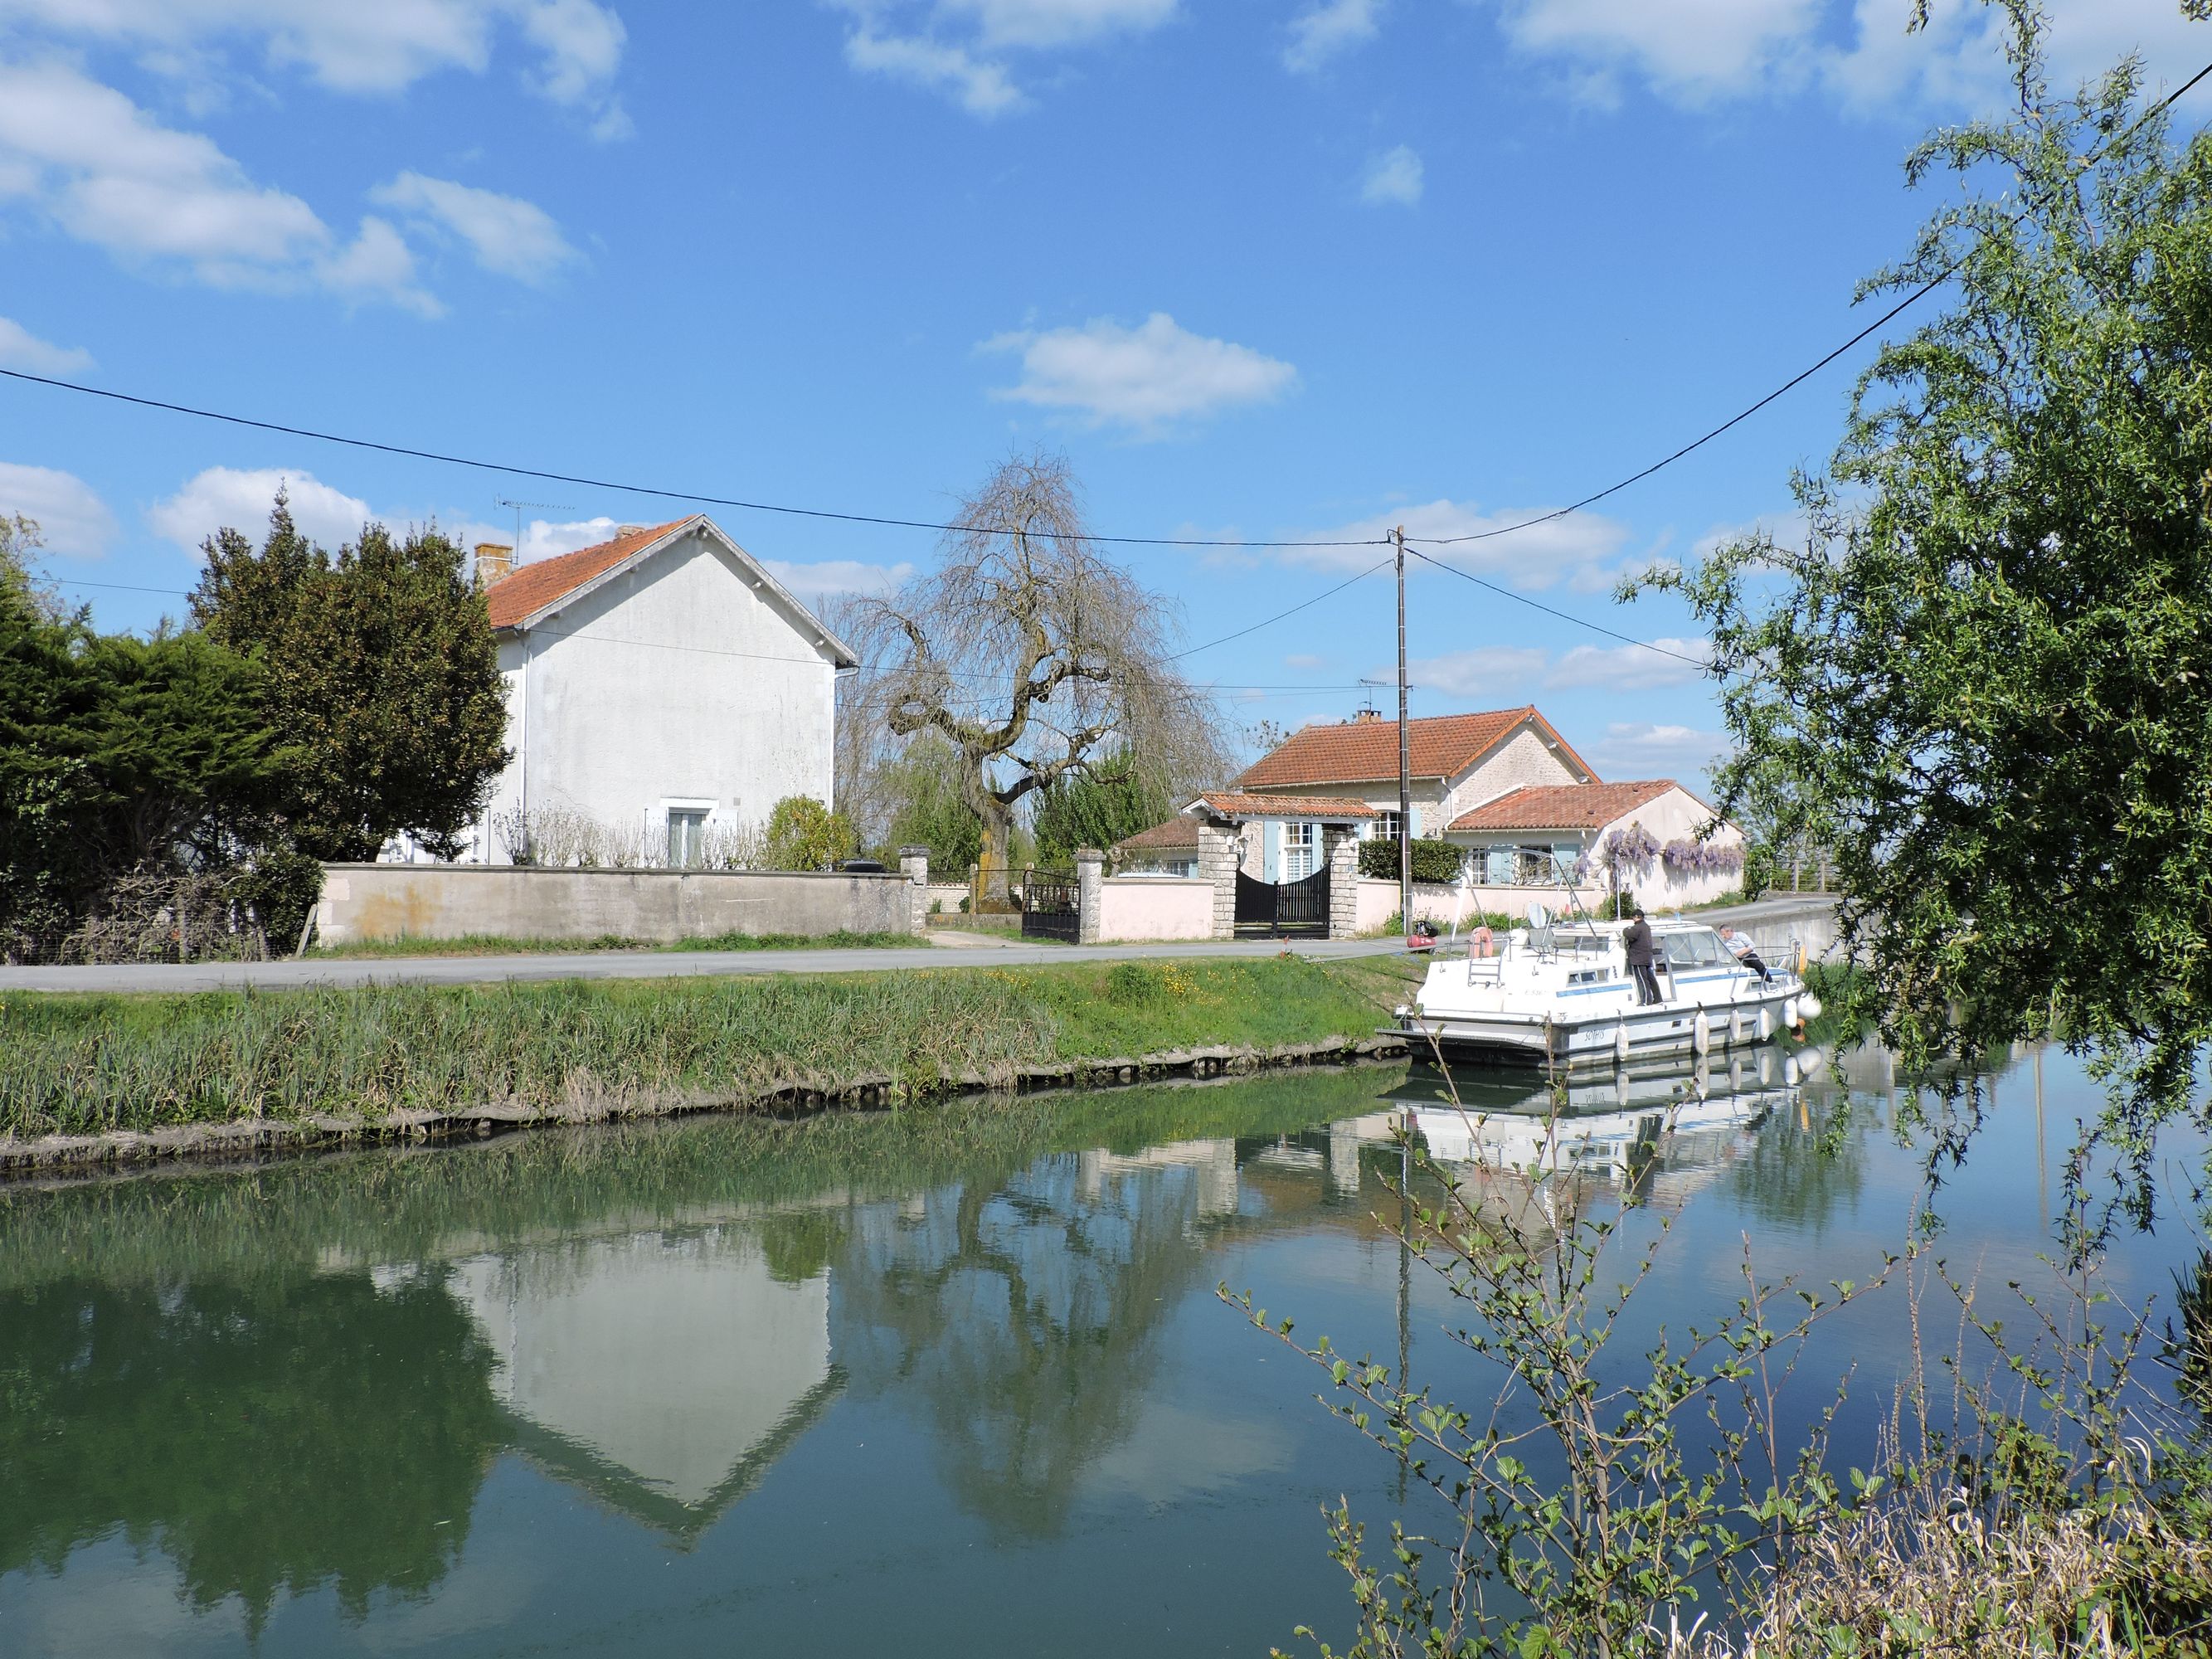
21, 349
1691, 50
1058, 22
350, 46
506, 235
1146, 377
1329, 27
1629, 667
1490, 671
1483, 671
109, 174
980, 88
814, 581
1304, 661
960, 47
227, 497
73, 521
1532, 558
1394, 176
1641, 750
1698, 51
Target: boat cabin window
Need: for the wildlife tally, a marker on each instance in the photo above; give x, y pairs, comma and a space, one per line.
1702, 949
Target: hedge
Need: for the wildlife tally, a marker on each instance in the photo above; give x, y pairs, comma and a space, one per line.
1433, 860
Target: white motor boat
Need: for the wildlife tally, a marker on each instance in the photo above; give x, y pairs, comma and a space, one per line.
1561, 992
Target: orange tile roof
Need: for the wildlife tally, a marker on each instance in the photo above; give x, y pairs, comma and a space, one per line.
521, 596
1564, 806
1239, 804
1359, 751
1176, 833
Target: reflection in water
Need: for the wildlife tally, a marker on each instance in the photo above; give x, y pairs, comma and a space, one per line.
300, 1378
269, 1437
661, 1371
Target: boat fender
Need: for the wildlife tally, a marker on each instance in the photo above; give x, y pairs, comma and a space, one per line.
1739, 1027
1621, 1042
1479, 942
1809, 1007
1766, 1027
1790, 1011
1701, 1032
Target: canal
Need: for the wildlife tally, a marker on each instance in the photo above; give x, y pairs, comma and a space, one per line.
954, 1381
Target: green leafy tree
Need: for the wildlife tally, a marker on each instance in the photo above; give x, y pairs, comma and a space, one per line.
804, 835
1096, 808
117, 755
927, 806
1985, 680
383, 676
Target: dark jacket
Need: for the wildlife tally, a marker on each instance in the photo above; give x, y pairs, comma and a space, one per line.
1638, 939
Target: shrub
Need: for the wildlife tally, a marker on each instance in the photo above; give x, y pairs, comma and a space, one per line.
1433, 860
804, 835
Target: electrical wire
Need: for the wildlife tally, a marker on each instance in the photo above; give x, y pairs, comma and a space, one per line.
1795, 381
1564, 616
695, 496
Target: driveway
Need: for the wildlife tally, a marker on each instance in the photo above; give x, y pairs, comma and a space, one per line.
631, 964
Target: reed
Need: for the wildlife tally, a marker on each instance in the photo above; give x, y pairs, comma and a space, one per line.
79, 1065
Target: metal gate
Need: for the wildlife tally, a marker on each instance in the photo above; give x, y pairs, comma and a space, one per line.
1051, 906
1289, 910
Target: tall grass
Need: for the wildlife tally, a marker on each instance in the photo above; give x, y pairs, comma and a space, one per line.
85, 1065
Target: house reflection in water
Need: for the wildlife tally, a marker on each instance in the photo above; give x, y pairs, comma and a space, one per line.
662, 1372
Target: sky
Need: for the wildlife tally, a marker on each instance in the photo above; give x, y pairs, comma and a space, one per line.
1296, 270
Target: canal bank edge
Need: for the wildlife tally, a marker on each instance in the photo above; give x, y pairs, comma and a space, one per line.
107, 1081
254, 1137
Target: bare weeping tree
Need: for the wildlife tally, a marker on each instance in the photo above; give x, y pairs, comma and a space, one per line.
1031, 653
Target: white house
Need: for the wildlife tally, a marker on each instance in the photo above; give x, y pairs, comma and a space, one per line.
660, 686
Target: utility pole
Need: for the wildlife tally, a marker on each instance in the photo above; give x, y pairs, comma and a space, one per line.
1404, 757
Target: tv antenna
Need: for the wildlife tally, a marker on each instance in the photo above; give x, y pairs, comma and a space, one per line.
542, 506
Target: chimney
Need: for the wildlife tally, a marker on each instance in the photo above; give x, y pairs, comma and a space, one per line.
495, 563
622, 530
1365, 717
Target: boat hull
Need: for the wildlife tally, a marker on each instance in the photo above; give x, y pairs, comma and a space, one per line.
1603, 1038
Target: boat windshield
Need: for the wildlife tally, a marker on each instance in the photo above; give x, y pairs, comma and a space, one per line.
1701, 949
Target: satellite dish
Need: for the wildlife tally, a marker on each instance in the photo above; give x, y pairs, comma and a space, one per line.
1538, 917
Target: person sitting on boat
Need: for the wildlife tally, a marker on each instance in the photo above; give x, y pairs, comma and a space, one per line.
1637, 941
1741, 947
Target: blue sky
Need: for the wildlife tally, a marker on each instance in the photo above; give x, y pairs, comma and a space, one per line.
1261, 270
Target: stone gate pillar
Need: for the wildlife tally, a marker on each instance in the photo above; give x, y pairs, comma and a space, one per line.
1089, 893
1341, 842
1220, 851
914, 865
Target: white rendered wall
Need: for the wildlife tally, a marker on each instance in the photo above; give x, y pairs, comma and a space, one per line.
676, 683
1523, 762
1677, 815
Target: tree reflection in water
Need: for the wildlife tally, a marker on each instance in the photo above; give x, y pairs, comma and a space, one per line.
1021, 1321
271, 1438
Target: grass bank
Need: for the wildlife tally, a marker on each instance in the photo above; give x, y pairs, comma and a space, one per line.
340, 1059
498, 945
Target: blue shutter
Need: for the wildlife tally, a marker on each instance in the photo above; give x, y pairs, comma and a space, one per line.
1271, 850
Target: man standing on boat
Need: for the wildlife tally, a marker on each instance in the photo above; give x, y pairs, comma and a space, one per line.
1638, 939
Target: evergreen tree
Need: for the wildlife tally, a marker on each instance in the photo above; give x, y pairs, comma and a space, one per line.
383, 679
1096, 807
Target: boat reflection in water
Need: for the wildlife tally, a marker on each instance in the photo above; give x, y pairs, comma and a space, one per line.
1662, 1128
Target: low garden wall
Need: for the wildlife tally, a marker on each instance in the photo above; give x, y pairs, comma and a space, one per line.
1149, 907
1378, 902
456, 901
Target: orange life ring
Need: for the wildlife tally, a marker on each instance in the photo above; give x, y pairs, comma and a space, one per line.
1479, 942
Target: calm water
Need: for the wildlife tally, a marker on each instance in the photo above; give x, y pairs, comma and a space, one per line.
958, 1379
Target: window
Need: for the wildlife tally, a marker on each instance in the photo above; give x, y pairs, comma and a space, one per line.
687, 837
1702, 949
1298, 851
1386, 827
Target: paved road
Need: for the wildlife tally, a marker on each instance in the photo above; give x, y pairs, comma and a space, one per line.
625, 964
950, 946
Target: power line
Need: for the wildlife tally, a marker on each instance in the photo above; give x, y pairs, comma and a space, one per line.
1269, 688
1796, 379
614, 484
1302, 606
1564, 616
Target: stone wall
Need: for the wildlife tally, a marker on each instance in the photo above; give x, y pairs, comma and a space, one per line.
455, 900
1219, 850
